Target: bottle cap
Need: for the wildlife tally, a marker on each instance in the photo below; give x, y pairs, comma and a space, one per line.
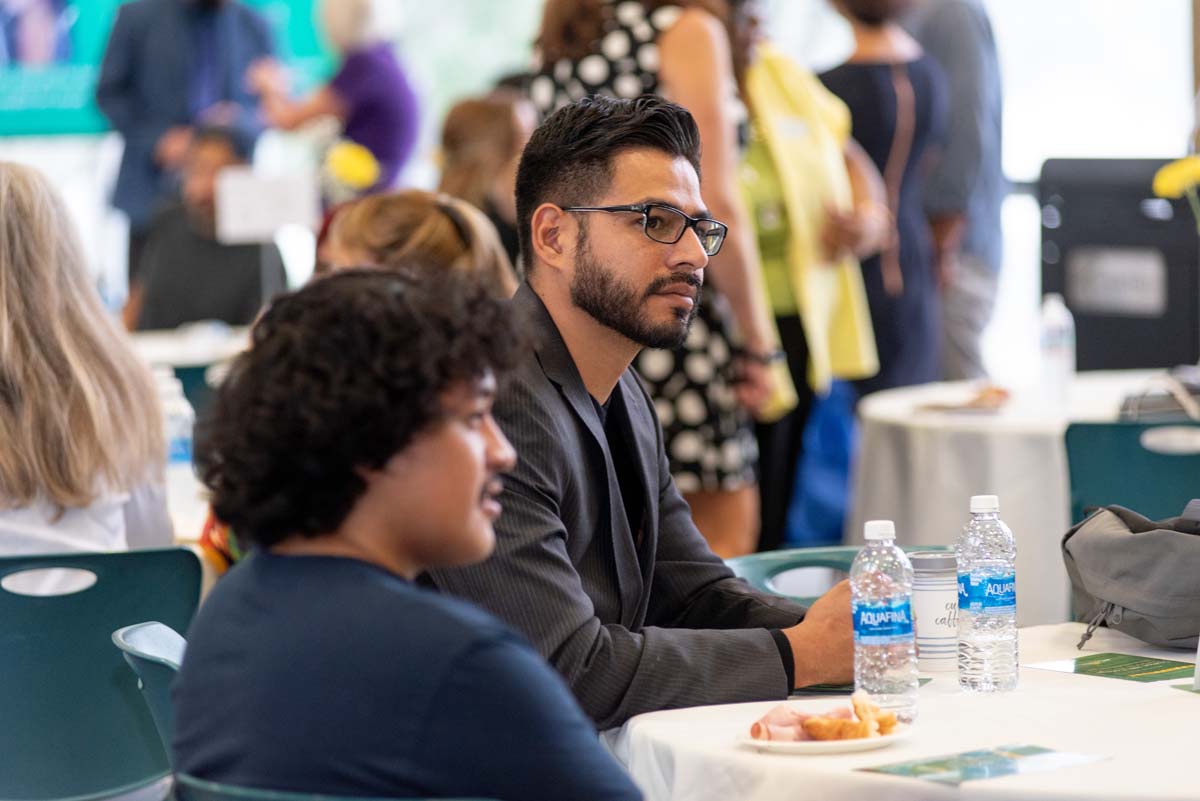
879, 530
984, 504
932, 561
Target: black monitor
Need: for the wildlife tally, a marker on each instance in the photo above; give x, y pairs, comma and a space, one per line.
1127, 262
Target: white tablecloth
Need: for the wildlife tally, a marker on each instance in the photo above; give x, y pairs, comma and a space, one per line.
193, 345
1147, 731
202, 344
920, 468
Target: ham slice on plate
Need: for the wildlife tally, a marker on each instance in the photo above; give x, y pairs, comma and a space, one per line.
785, 723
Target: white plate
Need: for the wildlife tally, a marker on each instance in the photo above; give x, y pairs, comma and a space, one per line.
901, 732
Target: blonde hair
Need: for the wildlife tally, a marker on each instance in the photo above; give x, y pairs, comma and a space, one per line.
79, 414
424, 228
479, 139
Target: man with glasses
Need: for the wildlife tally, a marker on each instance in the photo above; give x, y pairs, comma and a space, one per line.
597, 559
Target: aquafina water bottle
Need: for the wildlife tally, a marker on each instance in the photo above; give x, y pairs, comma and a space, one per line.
987, 601
1058, 351
178, 422
885, 653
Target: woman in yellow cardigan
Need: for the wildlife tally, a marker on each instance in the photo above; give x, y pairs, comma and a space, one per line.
819, 205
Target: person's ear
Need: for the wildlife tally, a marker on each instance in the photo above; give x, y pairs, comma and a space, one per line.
553, 234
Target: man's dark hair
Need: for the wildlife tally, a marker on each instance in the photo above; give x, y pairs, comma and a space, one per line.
569, 158
340, 376
239, 139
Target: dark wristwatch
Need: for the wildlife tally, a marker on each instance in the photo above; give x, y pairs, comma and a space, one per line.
765, 358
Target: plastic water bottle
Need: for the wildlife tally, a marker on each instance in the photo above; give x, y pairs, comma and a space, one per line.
178, 421
885, 652
987, 601
1058, 350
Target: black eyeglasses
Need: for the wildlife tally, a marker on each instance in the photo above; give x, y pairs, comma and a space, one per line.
667, 224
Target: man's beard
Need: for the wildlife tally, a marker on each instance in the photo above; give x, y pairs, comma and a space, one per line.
619, 305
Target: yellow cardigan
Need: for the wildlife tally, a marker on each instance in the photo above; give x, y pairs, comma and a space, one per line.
805, 127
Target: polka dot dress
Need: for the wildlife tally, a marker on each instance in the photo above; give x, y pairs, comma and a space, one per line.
709, 439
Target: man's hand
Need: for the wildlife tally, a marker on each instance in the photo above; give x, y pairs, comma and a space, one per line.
859, 232
946, 269
172, 146
823, 643
268, 78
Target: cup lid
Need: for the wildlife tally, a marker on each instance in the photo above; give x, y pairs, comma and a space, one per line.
933, 560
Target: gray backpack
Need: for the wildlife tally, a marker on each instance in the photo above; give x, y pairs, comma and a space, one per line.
1136, 575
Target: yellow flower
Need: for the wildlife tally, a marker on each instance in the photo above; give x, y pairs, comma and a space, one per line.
352, 165
1178, 177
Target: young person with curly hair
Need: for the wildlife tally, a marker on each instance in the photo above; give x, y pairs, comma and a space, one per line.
351, 448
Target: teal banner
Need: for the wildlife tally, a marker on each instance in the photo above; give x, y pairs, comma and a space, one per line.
50, 54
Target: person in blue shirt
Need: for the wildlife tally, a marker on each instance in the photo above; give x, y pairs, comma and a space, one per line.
352, 447
964, 193
170, 65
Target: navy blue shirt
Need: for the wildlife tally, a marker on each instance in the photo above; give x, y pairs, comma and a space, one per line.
329, 675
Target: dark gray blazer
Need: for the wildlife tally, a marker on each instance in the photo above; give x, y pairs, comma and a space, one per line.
634, 624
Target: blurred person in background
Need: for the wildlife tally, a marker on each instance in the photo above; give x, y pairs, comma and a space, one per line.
482, 139
896, 94
323, 261
428, 228
170, 65
81, 429
427, 231
964, 193
35, 33
370, 95
353, 447
703, 394
818, 205
188, 275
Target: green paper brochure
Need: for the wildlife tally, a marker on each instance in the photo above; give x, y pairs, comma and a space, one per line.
1121, 666
954, 769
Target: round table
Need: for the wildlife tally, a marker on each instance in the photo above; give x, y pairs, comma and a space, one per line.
919, 467
1142, 730
191, 351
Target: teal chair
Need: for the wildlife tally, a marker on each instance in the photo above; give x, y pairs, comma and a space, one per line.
1151, 469
154, 651
71, 723
189, 788
763, 571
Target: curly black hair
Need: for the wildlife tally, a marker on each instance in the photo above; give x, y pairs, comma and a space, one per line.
340, 376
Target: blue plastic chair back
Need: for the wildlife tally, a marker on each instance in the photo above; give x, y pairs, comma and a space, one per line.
189, 788
72, 723
155, 651
764, 570
1151, 469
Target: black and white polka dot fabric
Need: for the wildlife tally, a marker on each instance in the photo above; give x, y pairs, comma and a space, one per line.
709, 439
625, 64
